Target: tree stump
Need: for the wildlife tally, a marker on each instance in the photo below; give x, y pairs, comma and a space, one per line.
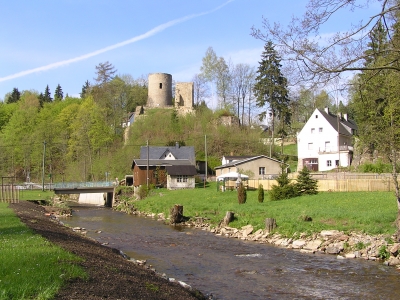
229, 216
176, 214
270, 224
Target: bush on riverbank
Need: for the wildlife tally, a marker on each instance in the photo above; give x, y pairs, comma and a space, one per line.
367, 212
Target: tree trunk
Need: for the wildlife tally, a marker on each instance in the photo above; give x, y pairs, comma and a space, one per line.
176, 214
270, 224
228, 218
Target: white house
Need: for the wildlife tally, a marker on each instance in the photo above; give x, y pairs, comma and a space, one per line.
326, 141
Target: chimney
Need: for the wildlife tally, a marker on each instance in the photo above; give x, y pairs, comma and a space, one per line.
345, 117
340, 116
176, 145
327, 110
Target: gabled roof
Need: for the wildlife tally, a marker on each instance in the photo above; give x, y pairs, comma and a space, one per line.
181, 170
232, 157
160, 162
239, 162
345, 126
184, 152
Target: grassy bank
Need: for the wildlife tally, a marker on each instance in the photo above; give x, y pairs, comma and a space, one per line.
31, 267
368, 212
35, 195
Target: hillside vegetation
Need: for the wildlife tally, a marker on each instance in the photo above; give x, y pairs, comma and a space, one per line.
76, 142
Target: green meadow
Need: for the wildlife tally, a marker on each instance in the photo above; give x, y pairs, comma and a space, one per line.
31, 267
367, 212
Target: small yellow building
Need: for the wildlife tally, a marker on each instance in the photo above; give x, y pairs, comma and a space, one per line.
256, 167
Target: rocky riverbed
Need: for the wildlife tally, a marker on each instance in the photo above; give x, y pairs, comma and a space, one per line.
344, 246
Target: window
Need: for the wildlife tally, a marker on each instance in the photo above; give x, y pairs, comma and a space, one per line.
261, 170
316, 116
337, 163
310, 146
312, 130
320, 129
327, 146
160, 85
328, 163
182, 178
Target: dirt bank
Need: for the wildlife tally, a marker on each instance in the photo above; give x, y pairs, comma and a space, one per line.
110, 275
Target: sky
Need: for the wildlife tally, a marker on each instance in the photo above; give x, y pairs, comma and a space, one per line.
47, 42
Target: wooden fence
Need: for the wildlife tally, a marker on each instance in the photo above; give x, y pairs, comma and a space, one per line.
9, 193
342, 185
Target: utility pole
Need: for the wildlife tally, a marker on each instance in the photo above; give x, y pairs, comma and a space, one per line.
44, 156
147, 169
205, 151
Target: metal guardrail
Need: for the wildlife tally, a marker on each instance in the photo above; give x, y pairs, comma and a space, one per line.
71, 185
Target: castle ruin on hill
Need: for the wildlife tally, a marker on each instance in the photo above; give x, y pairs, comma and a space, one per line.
160, 94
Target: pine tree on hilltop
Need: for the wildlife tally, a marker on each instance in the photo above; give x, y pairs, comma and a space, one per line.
58, 94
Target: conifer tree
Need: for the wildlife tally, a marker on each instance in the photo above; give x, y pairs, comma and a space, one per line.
271, 89
260, 193
242, 194
14, 96
85, 89
47, 95
58, 94
306, 185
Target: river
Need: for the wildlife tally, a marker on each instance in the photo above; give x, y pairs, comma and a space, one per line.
234, 269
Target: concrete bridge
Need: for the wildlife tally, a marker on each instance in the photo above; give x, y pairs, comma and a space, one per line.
96, 193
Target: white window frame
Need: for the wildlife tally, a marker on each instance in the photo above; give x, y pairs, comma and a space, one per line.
182, 178
261, 171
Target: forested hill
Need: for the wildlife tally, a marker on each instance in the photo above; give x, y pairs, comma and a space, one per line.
81, 140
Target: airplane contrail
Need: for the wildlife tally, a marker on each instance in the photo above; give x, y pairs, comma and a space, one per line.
143, 36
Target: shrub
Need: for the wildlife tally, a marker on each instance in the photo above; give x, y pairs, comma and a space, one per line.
143, 191
242, 194
260, 193
282, 192
383, 253
305, 184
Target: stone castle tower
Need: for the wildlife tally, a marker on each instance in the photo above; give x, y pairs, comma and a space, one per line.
160, 90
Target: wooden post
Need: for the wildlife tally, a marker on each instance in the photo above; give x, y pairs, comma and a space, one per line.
270, 224
176, 214
228, 218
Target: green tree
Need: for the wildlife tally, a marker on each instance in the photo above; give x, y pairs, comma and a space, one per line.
306, 185
14, 96
271, 89
215, 69
47, 95
85, 89
260, 193
284, 189
376, 102
242, 194
58, 94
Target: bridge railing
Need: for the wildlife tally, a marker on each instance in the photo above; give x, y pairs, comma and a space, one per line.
71, 185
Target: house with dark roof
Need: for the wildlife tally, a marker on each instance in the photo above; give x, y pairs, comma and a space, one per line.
256, 167
173, 167
326, 141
